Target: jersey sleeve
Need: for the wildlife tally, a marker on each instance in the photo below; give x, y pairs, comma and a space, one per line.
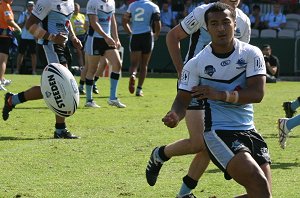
42, 9
91, 7
156, 9
247, 33
256, 63
8, 14
189, 75
192, 22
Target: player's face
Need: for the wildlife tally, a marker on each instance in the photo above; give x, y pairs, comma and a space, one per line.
221, 27
232, 3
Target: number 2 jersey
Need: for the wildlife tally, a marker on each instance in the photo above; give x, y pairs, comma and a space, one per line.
142, 13
225, 74
55, 16
194, 25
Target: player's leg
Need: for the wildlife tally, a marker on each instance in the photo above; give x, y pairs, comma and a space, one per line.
93, 61
135, 59
4, 52
196, 170
229, 149
192, 145
112, 55
285, 126
32, 51
82, 76
250, 175
101, 67
33, 93
147, 44
290, 107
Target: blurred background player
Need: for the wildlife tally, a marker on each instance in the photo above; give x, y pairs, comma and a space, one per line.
141, 14
7, 28
27, 41
51, 48
102, 40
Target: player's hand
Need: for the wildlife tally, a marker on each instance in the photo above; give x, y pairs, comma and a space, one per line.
60, 39
204, 91
76, 43
118, 43
110, 42
171, 119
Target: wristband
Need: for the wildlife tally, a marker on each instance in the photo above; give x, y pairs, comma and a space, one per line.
232, 96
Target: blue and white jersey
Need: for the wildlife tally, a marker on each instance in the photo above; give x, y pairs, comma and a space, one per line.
194, 25
141, 15
25, 34
225, 74
104, 9
55, 16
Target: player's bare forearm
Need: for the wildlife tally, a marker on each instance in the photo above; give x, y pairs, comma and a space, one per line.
173, 39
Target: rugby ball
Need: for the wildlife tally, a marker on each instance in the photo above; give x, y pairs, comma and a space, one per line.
59, 89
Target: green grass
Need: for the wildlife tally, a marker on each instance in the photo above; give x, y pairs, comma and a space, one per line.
110, 158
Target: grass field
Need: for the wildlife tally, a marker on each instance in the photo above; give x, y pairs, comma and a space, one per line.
109, 160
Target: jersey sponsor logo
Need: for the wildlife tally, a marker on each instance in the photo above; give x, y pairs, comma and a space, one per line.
39, 8
242, 63
58, 7
209, 70
258, 64
225, 63
7, 13
190, 21
185, 76
104, 19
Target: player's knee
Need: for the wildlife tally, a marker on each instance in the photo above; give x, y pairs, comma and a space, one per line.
258, 184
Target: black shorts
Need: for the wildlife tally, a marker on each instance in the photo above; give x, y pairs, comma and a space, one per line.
96, 46
5, 44
53, 53
27, 45
142, 42
222, 145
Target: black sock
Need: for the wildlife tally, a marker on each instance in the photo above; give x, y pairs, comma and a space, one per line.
162, 154
60, 125
81, 82
21, 97
189, 182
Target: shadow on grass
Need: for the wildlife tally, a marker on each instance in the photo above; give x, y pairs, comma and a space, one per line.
20, 138
278, 165
275, 136
24, 108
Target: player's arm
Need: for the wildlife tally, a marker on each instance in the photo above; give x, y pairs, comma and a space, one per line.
178, 109
174, 36
33, 27
125, 22
114, 31
75, 41
93, 19
13, 24
157, 24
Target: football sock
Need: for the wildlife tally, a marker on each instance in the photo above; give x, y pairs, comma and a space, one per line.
295, 104
162, 155
187, 186
95, 80
81, 84
89, 87
114, 80
59, 127
18, 98
139, 88
293, 122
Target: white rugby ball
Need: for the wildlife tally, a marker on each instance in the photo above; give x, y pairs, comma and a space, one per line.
59, 89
